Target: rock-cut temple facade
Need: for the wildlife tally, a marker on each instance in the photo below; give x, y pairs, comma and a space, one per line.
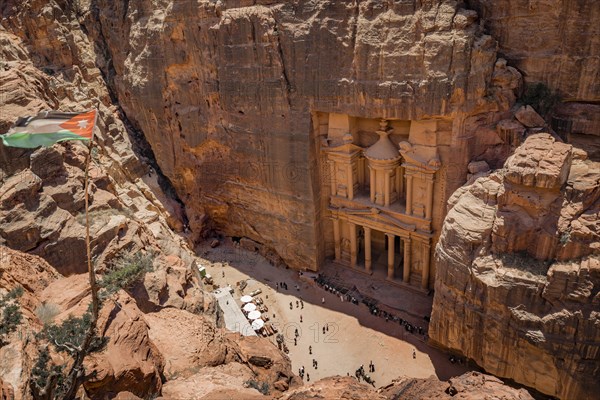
379, 196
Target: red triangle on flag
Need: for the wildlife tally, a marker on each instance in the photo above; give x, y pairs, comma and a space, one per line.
82, 124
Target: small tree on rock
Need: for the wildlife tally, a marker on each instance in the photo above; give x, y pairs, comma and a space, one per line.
10, 313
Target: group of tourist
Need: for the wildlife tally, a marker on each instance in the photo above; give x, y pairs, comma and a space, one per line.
360, 373
345, 294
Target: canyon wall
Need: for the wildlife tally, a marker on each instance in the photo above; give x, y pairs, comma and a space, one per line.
555, 42
518, 284
49, 62
227, 95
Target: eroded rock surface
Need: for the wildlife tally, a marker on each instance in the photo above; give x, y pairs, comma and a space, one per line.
471, 385
519, 270
551, 41
227, 94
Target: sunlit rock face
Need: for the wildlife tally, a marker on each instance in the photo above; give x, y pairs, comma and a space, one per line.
551, 41
229, 94
518, 279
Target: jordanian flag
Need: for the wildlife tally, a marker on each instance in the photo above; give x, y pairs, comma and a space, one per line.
49, 127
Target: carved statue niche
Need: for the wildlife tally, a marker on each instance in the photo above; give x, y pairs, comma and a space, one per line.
344, 163
384, 160
420, 166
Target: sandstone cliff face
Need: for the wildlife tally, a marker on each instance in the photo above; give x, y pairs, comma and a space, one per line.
471, 385
226, 92
518, 285
551, 41
48, 62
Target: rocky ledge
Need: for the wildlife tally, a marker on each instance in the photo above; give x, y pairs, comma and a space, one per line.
518, 278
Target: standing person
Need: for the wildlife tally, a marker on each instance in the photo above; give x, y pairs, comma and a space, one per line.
307, 377
414, 354
322, 300
310, 352
300, 318
301, 304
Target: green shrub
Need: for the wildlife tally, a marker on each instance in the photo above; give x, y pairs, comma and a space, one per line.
127, 270
70, 335
52, 381
10, 312
47, 380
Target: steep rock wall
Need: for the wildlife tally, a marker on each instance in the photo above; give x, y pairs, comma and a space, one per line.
224, 93
556, 42
518, 284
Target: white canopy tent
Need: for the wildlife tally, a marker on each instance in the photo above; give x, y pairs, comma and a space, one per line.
246, 299
257, 324
254, 314
248, 307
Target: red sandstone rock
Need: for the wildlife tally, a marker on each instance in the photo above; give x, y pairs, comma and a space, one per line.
529, 117
471, 385
131, 362
6, 391
335, 387
518, 271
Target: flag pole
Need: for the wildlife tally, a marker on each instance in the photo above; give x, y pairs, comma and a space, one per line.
75, 375
92, 274
23, 139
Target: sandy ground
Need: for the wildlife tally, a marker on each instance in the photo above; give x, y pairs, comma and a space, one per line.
355, 337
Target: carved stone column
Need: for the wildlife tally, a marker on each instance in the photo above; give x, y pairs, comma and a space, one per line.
367, 249
372, 183
336, 239
429, 204
409, 182
332, 179
350, 181
353, 251
406, 272
426, 258
399, 182
386, 189
390, 271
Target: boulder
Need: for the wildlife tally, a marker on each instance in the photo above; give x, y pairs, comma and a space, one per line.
335, 387
529, 117
469, 386
130, 362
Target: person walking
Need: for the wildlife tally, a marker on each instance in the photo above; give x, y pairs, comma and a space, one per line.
310, 352
414, 354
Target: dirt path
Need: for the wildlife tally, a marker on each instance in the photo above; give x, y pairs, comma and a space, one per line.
355, 337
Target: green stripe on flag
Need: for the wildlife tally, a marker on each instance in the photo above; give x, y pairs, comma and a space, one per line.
33, 140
